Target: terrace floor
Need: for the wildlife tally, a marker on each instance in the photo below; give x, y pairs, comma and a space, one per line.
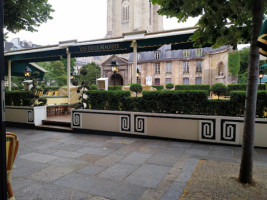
71, 166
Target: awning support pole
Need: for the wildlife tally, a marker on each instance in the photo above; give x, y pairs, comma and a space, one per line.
134, 68
68, 74
9, 75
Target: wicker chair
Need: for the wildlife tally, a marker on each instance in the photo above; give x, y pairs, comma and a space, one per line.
12, 145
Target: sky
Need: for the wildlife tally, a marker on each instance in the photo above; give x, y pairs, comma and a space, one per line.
81, 20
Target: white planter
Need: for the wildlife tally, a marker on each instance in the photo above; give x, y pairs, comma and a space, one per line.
213, 129
25, 114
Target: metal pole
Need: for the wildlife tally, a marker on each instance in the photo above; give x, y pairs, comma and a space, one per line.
134, 69
9, 75
114, 80
3, 175
68, 74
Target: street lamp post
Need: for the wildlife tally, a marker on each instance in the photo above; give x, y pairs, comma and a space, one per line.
261, 74
115, 69
138, 74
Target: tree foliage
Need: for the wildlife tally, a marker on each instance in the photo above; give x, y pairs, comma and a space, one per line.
93, 72
57, 71
228, 22
221, 22
26, 14
219, 89
234, 62
137, 88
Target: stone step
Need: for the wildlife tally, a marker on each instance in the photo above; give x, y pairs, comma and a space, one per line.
56, 123
54, 128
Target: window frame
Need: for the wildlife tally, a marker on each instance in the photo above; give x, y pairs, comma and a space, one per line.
157, 68
186, 67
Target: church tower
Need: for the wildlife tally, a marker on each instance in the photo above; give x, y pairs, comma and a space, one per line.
132, 15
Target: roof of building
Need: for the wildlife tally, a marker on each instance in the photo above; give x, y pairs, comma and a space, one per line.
166, 53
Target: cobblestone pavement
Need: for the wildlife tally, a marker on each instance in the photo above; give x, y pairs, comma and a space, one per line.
71, 166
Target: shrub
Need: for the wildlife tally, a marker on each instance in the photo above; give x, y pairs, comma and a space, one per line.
106, 100
19, 98
243, 87
239, 87
117, 87
169, 86
192, 87
93, 87
172, 101
137, 88
158, 87
219, 89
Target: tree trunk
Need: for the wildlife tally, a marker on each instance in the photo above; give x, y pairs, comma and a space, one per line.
245, 174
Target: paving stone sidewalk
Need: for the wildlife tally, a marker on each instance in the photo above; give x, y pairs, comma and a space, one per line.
71, 166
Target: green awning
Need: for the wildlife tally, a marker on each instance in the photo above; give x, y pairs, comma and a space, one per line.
177, 41
49, 55
17, 69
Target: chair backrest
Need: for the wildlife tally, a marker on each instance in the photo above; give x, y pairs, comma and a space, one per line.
40, 92
56, 93
50, 93
12, 145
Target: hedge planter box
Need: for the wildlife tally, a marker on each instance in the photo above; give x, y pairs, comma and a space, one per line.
25, 115
213, 129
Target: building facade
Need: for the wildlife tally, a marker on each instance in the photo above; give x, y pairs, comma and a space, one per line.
125, 16
184, 67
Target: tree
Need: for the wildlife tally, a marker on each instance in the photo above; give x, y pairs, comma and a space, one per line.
228, 22
82, 84
169, 86
57, 71
93, 72
26, 14
219, 89
137, 88
234, 63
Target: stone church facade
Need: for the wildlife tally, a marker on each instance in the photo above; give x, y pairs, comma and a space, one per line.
125, 16
192, 66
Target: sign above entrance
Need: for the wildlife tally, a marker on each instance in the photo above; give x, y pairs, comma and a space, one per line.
101, 49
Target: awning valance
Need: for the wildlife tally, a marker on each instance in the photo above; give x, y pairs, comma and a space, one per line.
177, 41
41, 56
101, 49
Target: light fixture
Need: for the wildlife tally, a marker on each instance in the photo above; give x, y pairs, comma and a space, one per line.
261, 74
27, 72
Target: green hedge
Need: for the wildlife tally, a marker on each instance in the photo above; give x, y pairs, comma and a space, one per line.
106, 100
117, 87
46, 89
19, 98
238, 99
192, 87
171, 101
243, 87
175, 101
158, 87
